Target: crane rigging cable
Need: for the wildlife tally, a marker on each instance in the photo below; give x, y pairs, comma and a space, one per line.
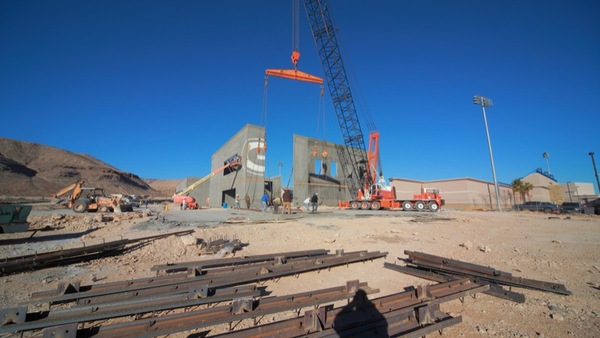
295, 32
321, 117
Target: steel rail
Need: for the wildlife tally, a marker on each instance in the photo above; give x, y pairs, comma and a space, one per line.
459, 265
54, 258
197, 271
16, 264
184, 266
81, 314
481, 273
495, 290
250, 274
411, 313
240, 310
226, 278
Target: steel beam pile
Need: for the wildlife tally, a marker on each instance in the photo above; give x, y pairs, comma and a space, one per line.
442, 269
412, 313
213, 263
36, 261
240, 309
198, 286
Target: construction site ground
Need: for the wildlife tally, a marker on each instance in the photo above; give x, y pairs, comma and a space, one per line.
554, 248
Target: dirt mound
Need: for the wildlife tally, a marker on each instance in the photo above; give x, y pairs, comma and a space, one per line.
165, 187
32, 169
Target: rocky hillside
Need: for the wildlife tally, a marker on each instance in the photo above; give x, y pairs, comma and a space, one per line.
31, 169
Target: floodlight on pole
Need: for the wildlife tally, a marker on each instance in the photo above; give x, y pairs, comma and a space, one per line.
547, 156
486, 102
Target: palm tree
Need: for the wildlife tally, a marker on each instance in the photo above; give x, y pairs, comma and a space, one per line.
522, 188
527, 187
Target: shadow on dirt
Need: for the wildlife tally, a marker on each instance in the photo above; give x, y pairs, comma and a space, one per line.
49, 238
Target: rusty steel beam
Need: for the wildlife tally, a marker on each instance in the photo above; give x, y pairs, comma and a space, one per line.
413, 313
10, 265
22, 321
495, 290
174, 278
56, 258
217, 278
213, 263
479, 273
239, 310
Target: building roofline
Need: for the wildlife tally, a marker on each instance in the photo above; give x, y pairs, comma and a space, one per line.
449, 180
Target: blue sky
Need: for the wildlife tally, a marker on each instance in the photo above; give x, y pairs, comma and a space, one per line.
156, 87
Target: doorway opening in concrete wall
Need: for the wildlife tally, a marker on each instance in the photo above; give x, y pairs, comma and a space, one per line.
269, 189
228, 198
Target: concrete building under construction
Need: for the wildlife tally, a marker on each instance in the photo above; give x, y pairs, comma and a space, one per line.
318, 168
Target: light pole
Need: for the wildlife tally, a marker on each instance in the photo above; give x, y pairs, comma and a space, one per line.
595, 171
547, 156
486, 102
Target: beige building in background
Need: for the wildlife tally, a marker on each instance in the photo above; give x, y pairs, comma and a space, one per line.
459, 193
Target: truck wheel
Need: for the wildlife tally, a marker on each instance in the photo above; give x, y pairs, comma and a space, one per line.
365, 205
419, 205
354, 205
375, 205
80, 206
407, 205
433, 206
104, 208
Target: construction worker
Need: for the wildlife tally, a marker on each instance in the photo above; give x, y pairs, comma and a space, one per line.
237, 201
247, 198
314, 200
264, 200
287, 202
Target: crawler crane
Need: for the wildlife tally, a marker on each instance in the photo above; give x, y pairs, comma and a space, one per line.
366, 181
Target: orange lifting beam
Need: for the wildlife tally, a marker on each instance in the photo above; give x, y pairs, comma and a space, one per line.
294, 74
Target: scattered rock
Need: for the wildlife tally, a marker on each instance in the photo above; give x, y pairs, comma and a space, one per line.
188, 240
484, 248
467, 245
57, 217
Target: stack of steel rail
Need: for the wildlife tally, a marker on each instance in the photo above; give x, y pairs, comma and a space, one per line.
200, 285
413, 313
443, 269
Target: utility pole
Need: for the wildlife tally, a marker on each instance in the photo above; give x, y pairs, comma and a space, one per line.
485, 102
595, 171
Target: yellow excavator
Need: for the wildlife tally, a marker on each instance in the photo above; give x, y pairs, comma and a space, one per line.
82, 199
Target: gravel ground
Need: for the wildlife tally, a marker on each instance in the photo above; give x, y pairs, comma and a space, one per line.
553, 248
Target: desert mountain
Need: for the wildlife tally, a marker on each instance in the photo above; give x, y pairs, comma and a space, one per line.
32, 169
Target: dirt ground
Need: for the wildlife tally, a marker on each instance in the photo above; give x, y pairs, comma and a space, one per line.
553, 248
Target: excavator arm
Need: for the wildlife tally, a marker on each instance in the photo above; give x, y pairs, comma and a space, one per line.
74, 189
